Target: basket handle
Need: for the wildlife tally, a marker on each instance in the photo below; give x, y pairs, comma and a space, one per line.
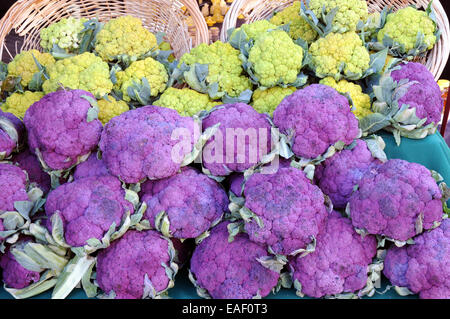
202, 31
231, 17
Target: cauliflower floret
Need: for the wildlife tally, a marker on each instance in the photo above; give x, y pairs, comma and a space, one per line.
361, 101
124, 35
266, 101
231, 270
28, 162
254, 29
348, 15
91, 167
65, 33
224, 66
298, 27
110, 109
396, 199
17, 103
275, 59
186, 101
404, 25
149, 68
13, 186
84, 71
24, 66
340, 55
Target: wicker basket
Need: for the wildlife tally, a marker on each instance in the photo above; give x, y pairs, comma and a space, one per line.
27, 17
435, 60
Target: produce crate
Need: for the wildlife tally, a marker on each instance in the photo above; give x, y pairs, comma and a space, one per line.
435, 60
27, 17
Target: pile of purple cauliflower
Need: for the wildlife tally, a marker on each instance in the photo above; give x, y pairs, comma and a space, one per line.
132, 203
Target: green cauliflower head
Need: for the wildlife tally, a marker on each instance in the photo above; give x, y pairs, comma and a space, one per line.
340, 55
124, 35
85, 71
275, 59
65, 33
18, 103
24, 66
254, 29
298, 27
266, 101
224, 67
187, 102
348, 14
150, 69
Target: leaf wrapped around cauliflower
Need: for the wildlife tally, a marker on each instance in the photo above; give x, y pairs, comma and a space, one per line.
187, 102
241, 141
340, 265
408, 32
124, 36
397, 200
18, 103
299, 28
408, 102
185, 205
110, 107
422, 268
317, 121
283, 211
63, 129
215, 69
138, 265
148, 142
85, 71
266, 101
232, 270
12, 134
25, 67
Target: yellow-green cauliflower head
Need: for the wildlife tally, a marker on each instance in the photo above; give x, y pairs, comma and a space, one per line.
349, 12
24, 66
254, 29
84, 71
124, 35
186, 101
266, 101
109, 108
65, 33
339, 55
275, 59
224, 67
361, 101
299, 28
149, 68
404, 25
18, 103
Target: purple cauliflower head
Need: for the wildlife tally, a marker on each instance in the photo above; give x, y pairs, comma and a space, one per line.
88, 207
30, 163
189, 201
288, 210
340, 262
231, 270
396, 199
59, 129
91, 167
423, 268
148, 142
314, 119
123, 267
339, 174
14, 274
425, 95
13, 186
12, 134
243, 137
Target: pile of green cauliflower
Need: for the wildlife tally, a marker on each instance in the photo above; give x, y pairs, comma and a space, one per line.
92, 198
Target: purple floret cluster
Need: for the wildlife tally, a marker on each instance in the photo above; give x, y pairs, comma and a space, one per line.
90, 168
315, 118
13, 186
58, 128
88, 207
192, 201
231, 270
396, 199
423, 268
339, 174
425, 95
122, 267
340, 262
29, 163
